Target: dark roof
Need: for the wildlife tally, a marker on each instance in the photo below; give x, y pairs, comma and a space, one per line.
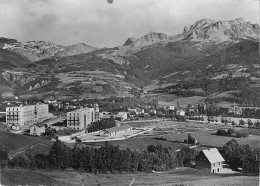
252, 156
51, 98
117, 129
40, 125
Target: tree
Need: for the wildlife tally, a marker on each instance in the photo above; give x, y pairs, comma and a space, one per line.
233, 152
233, 123
231, 131
257, 124
241, 122
222, 132
3, 158
185, 156
226, 122
191, 140
59, 156
250, 123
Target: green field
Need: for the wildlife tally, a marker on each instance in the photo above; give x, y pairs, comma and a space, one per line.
181, 176
209, 139
251, 130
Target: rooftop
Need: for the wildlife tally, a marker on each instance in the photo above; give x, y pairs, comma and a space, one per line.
40, 125
117, 129
213, 155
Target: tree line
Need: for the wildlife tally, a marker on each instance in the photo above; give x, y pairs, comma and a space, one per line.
107, 158
102, 124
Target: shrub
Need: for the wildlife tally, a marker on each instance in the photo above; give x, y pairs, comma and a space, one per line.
250, 123
231, 131
181, 118
222, 132
3, 158
257, 124
191, 140
242, 122
242, 134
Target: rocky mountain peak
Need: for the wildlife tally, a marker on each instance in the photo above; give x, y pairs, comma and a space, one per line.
7, 40
238, 20
154, 36
185, 29
130, 41
148, 39
220, 31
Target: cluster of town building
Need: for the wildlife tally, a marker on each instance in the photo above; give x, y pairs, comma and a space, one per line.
34, 115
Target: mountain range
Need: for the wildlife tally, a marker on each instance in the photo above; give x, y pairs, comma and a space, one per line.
152, 62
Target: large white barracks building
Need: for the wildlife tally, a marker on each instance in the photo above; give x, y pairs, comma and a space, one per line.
27, 115
81, 118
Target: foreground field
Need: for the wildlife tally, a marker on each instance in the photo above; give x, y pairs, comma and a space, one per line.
182, 176
17, 143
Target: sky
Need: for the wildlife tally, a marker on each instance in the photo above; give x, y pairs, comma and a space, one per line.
102, 24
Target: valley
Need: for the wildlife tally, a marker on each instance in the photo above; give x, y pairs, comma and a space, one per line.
185, 94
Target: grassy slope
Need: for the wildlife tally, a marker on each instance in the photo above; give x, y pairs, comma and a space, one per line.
10, 59
14, 143
182, 176
26, 177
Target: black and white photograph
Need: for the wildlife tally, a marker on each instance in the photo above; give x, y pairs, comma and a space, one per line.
129, 92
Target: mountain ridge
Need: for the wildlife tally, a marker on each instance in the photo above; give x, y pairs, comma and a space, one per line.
82, 70
38, 50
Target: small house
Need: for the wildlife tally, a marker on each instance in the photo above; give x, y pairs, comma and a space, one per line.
152, 111
251, 164
37, 129
180, 112
121, 116
171, 108
139, 111
50, 100
210, 159
132, 112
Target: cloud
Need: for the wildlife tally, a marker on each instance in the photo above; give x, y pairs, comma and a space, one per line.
99, 23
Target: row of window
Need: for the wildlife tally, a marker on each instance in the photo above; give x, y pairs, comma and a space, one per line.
74, 124
214, 164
